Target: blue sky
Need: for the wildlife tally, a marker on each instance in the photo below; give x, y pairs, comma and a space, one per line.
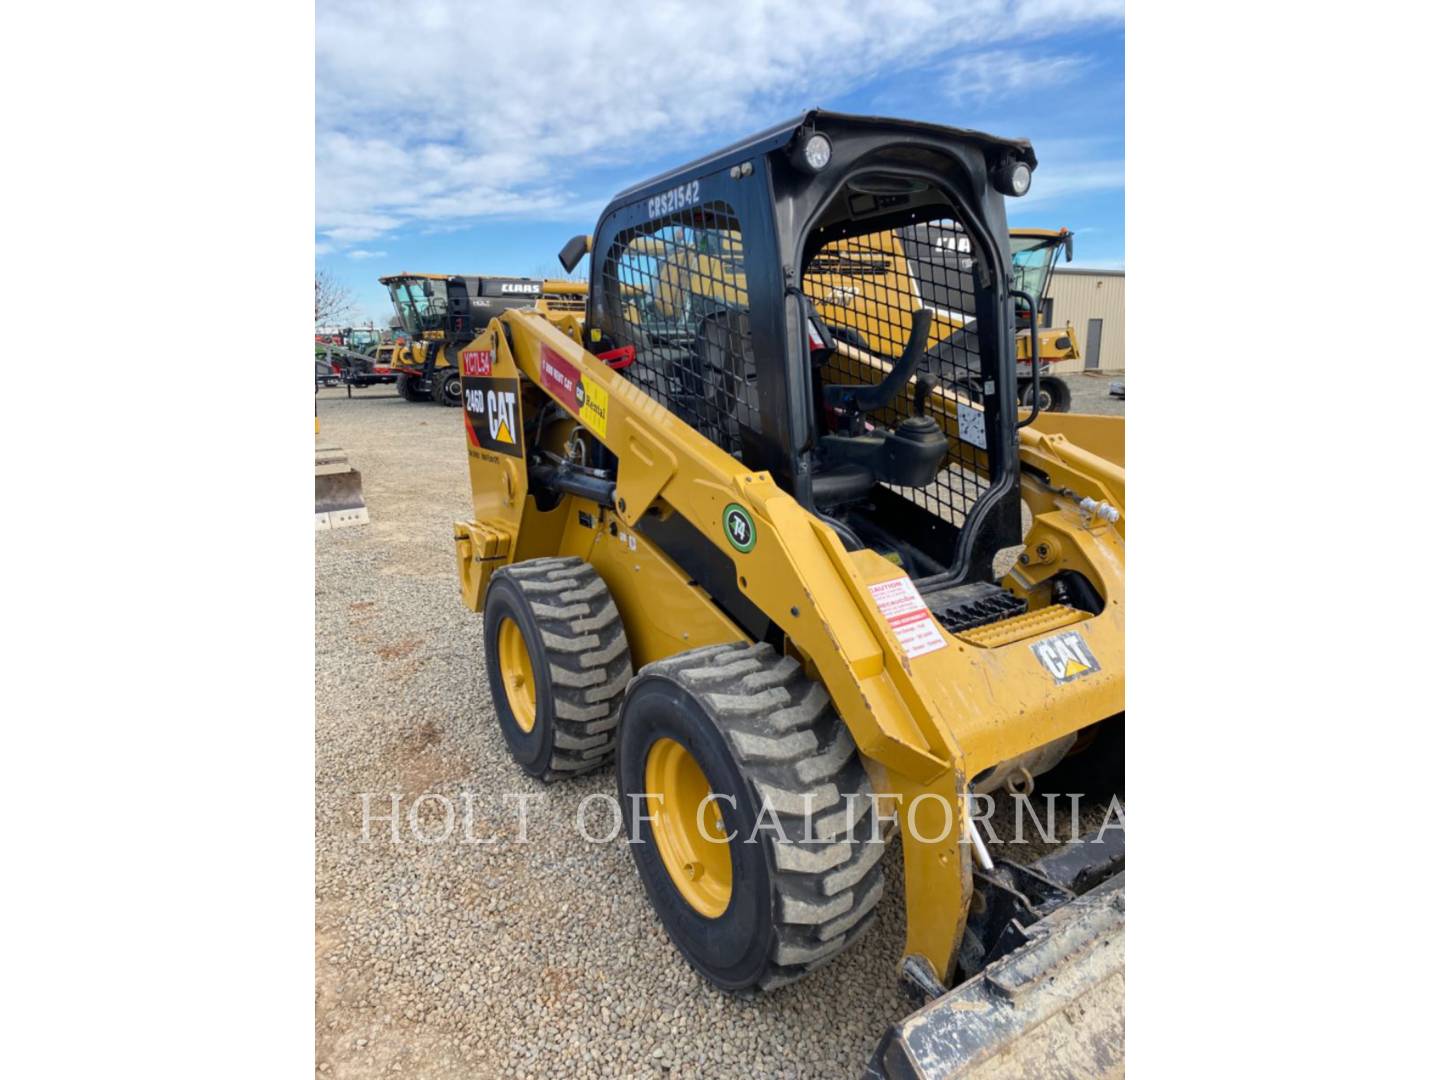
456, 137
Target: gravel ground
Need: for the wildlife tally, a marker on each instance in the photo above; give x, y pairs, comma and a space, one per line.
1091, 394
495, 959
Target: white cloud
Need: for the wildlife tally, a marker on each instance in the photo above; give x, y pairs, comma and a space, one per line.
1003, 73
1057, 180
436, 114
361, 253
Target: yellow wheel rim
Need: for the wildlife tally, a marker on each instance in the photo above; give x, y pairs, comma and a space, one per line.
689, 832
517, 675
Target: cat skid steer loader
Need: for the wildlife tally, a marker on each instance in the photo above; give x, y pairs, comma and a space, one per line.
441, 312
810, 587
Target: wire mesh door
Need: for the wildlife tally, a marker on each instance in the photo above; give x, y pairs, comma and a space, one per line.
866, 289
677, 289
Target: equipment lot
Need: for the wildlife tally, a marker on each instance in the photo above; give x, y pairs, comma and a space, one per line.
507, 959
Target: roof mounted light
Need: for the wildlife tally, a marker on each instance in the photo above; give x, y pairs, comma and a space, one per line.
1011, 177
812, 151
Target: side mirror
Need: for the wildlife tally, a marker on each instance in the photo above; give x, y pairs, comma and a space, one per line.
574, 250
1069, 247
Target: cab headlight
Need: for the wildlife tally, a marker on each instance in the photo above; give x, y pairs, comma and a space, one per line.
814, 152
1012, 178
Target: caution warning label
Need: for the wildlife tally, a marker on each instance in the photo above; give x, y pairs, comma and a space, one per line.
904, 609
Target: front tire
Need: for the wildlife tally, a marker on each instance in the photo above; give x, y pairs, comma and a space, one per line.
445, 387
558, 664
759, 735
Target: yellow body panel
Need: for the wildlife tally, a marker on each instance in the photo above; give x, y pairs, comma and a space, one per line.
1103, 436
1056, 344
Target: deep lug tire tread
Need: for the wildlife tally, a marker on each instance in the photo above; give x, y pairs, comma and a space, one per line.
439, 381
792, 747
587, 655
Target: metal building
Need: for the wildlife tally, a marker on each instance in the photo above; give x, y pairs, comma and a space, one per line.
1093, 301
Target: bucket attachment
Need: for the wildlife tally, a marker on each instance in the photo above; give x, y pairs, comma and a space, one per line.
1049, 999
338, 501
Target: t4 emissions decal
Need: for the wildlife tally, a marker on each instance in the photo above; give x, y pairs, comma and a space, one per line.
1065, 656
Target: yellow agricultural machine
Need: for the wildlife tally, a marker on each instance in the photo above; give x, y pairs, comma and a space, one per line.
1034, 254
812, 582
441, 311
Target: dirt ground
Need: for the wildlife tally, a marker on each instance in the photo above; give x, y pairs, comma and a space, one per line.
503, 958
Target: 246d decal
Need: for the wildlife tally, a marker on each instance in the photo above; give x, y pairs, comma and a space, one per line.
492, 415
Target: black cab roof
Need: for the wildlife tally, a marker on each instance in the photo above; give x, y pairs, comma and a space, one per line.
781, 135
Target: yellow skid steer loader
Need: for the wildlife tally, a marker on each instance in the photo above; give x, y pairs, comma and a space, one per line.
810, 585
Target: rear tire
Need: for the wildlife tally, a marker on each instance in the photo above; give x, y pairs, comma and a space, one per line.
763, 735
445, 387
559, 705
411, 387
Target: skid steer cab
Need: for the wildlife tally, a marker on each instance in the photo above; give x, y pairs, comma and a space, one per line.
439, 312
767, 529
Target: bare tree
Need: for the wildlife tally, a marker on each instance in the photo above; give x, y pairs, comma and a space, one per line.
333, 301
555, 272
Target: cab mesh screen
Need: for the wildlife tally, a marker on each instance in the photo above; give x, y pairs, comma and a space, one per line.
675, 288
866, 289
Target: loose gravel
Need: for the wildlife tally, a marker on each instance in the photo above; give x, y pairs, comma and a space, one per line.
1091, 393
499, 959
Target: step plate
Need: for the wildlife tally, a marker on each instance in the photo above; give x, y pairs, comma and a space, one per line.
1031, 624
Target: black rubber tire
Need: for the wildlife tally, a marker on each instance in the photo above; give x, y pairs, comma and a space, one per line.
761, 731
1054, 395
411, 388
580, 658
1027, 394
1095, 772
1059, 392
445, 387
